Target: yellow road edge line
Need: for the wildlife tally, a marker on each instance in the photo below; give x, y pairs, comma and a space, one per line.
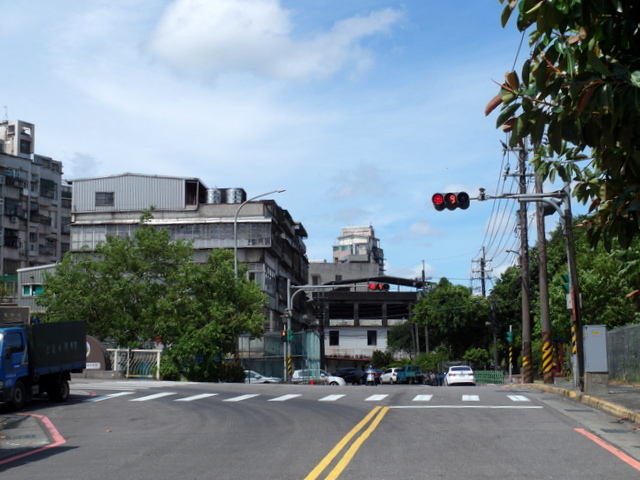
348, 456
315, 473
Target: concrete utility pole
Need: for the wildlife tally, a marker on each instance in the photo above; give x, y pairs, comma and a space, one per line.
545, 320
527, 360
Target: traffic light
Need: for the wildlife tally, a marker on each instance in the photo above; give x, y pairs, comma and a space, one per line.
283, 335
289, 335
566, 285
379, 287
509, 336
450, 201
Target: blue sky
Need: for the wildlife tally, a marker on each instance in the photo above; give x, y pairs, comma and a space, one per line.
361, 110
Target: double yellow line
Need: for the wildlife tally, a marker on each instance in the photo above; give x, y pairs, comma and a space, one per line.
373, 418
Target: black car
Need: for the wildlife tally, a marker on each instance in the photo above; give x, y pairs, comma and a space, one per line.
351, 375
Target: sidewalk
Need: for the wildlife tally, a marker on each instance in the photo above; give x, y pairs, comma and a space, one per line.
23, 434
623, 401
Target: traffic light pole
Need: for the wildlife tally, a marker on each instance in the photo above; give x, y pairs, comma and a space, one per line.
567, 226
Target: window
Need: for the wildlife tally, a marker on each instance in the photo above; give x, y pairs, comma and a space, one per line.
315, 279
104, 199
31, 290
334, 337
372, 337
338, 278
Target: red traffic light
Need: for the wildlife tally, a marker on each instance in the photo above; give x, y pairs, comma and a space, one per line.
380, 287
438, 201
450, 201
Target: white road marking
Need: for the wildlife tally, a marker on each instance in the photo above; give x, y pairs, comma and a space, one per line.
107, 397
375, 398
331, 398
422, 398
196, 397
153, 397
470, 398
490, 407
241, 397
518, 398
284, 398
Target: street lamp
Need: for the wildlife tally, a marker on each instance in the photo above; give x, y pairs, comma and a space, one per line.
235, 227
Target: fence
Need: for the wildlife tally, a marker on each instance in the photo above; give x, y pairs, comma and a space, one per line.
136, 363
489, 376
623, 353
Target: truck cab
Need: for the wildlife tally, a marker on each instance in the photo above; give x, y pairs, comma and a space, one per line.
14, 357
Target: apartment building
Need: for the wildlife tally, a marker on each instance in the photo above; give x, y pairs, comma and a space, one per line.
35, 204
264, 236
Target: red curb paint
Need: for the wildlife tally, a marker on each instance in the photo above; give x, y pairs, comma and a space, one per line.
53, 433
610, 448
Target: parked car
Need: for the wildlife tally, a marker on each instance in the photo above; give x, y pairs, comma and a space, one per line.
305, 376
390, 375
350, 375
254, 377
459, 375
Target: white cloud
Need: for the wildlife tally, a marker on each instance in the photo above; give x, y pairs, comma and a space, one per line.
255, 36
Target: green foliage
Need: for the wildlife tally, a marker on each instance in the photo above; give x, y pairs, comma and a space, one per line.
429, 361
577, 97
478, 358
400, 339
454, 317
138, 289
381, 359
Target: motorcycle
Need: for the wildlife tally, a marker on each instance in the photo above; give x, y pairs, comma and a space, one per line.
370, 378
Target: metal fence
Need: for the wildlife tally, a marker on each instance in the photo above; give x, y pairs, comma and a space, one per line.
623, 353
136, 363
489, 376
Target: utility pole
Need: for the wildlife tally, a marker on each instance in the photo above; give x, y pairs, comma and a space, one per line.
545, 321
527, 364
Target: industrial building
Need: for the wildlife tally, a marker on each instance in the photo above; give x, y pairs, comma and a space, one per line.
264, 236
358, 304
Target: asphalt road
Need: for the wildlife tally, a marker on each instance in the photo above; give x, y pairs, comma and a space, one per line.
163, 430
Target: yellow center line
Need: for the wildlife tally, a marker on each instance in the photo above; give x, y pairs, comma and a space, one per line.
348, 456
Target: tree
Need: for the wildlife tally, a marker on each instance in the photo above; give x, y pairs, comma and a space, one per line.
453, 317
580, 89
137, 289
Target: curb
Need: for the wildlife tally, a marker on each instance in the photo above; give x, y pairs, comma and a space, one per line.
590, 400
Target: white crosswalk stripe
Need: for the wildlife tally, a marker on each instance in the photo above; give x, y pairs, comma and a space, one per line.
422, 398
470, 398
107, 397
331, 398
284, 398
375, 398
196, 397
241, 398
416, 400
518, 398
153, 396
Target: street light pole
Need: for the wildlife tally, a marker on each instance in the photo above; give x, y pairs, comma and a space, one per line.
235, 227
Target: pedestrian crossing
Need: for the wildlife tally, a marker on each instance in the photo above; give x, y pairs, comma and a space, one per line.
175, 396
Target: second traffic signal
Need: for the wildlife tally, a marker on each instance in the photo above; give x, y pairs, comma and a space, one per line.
450, 201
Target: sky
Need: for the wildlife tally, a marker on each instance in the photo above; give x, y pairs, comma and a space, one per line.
360, 110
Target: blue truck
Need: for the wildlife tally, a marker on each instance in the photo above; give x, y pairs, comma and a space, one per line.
39, 358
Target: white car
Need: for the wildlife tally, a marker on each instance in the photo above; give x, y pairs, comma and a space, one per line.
460, 375
305, 376
254, 377
390, 375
